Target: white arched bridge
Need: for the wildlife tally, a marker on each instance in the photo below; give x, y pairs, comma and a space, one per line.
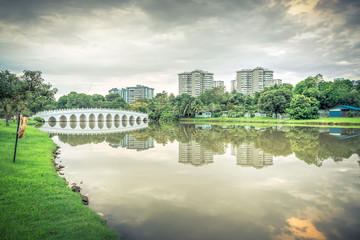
91, 115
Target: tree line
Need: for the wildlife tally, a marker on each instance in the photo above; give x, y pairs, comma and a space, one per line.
30, 94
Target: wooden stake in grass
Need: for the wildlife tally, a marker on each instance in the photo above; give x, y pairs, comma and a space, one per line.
17, 136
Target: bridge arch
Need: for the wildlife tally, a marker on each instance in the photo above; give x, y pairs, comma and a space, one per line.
100, 118
52, 119
82, 118
63, 118
108, 117
73, 118
92, 118
117, 117
124, 118
138, 120
73, 124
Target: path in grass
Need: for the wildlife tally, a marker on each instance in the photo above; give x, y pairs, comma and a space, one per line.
35, 203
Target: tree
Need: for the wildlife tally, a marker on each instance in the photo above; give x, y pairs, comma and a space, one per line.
111, 97
337, 93
98, 100
272, 102
158, 104
302, 107
79, 100
308, 87
118, 102
17, 92
275, 100
141, 105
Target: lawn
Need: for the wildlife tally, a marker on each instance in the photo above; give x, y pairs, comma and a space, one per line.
321, 121
35, 203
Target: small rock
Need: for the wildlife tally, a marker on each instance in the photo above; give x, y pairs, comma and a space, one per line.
101, 214
75, 188
61, 166
61, 173
85, 200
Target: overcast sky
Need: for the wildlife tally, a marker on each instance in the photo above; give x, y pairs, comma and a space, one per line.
92, 46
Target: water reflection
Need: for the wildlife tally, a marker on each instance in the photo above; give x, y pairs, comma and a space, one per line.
247, 155
82, 125
252, 147
142, 192
248, 183
193, 153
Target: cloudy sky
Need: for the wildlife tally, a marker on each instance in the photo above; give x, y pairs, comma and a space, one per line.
92, 46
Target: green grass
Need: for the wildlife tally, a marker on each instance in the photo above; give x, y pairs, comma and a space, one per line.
35, 203
354, 122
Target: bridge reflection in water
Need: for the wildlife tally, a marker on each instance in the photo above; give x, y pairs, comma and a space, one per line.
87, 128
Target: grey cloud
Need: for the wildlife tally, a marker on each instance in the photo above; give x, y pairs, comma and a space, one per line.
125, 39
350, 9
26, 11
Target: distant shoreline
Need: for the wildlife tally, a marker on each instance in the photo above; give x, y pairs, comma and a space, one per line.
338, 122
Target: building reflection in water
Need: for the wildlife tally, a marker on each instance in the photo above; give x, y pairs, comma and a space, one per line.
193, 153
249, 156
130, 142
246, 155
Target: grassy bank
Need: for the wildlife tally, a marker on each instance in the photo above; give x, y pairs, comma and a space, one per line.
266, 120
35, 202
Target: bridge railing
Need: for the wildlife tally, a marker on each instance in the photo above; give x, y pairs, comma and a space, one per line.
81, 109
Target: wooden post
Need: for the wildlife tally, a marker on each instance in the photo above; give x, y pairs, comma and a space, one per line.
17, 135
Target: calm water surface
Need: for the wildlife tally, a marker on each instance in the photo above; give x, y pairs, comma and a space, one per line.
213, 182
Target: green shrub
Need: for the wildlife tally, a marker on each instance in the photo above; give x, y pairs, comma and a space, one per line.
38, 119
168, 118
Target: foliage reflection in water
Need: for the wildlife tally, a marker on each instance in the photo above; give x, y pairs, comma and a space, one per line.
248, 183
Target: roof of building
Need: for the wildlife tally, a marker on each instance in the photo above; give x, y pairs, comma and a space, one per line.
345, 107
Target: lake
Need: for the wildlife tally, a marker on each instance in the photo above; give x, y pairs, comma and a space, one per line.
217, 182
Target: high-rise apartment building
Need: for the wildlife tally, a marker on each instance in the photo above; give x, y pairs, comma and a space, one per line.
131, 94
218, 84
277, 81
196, 82
233, 86
115, 91
254, 80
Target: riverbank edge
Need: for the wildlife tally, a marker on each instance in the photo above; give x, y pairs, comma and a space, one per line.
35, 202
328, 122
